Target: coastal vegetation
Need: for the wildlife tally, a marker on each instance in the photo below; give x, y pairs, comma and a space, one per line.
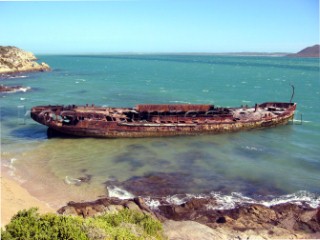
125, 224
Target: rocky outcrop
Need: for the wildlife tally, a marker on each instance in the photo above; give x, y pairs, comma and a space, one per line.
198, 219
15, 60
90, 209
291, 218
10, 89
313, 51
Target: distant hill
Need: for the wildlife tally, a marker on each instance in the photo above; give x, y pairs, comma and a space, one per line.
313, 51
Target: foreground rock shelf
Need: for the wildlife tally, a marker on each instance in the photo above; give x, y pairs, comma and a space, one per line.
199, 217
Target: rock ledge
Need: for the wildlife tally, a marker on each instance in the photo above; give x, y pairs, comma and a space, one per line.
194, 220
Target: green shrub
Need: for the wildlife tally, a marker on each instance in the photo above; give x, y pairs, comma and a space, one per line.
29, 224
124, 225
128, 224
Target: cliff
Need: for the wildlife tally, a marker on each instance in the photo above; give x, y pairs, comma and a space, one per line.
313, 51
15, 60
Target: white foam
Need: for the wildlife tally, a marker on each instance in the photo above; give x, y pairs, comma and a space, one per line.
224, 202
20, 89
119, 193
251, 148
235, 199
298, 198
12, 160
229, 201
22, 76
24, 89
180, 102
177, 200
12, 169
71, 181
152, 203
304, 121
27, 113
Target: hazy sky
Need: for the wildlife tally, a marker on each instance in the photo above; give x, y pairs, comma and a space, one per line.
160, 25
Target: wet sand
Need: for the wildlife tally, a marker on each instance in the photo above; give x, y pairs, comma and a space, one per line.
15, 198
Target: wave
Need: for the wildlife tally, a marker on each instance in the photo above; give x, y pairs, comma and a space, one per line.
182, 102
222, 201
119, 193
11, 170
236, 199
252, 148
299, 121
71, 181
19, 76
9, 165
19, 89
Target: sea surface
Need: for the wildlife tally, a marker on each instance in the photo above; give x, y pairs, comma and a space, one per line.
271, 165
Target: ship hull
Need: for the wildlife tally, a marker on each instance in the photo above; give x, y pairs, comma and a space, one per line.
137, 129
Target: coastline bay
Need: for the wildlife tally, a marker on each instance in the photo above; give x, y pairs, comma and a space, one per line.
258, 164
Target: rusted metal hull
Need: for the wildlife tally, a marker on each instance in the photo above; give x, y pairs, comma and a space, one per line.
157, 124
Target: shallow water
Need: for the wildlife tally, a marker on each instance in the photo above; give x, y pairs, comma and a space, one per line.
256, 164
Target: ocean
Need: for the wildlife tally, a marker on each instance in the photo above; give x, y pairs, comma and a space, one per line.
267, 166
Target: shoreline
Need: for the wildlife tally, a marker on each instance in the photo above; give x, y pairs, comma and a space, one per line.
181, 225
14, 198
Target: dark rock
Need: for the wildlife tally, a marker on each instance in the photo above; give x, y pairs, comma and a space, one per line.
195, 208
221, 220
85, 179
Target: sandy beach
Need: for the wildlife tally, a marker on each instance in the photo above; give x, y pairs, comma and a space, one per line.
15, 198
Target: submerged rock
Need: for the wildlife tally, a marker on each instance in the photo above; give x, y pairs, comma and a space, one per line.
158, 184
15, 60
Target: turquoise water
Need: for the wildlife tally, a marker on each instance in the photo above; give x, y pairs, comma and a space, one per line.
261, 163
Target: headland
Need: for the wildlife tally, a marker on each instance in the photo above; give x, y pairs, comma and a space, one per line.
313, 52
15, 60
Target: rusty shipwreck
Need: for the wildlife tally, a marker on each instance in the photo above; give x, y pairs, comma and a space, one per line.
156, 120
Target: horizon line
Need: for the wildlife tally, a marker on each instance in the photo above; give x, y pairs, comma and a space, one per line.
165, 53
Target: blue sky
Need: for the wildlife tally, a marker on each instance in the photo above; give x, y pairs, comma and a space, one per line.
160, 25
